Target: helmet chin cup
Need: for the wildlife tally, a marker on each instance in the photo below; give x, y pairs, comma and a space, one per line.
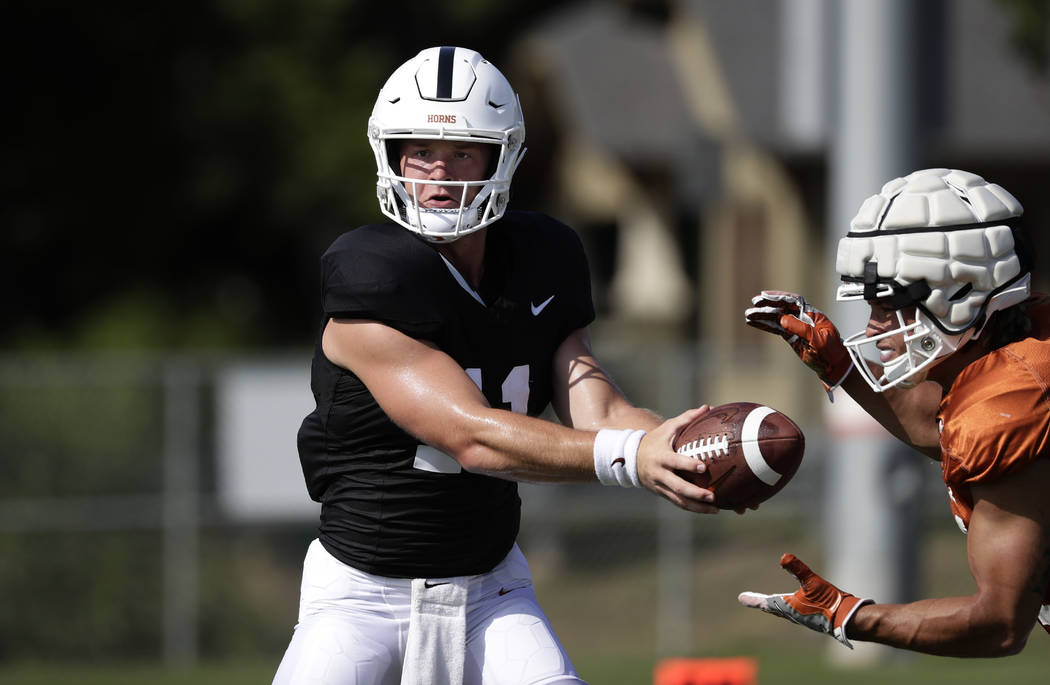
440, 224
896, 370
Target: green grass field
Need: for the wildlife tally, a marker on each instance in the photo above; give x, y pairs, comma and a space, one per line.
604, 612
775, 667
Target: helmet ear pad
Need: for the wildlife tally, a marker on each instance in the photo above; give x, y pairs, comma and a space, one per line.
393, 154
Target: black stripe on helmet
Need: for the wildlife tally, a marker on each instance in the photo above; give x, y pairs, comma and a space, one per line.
1012, 222
444, 79
902, 295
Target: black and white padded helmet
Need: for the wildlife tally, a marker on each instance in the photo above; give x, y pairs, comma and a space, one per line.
454, 94
943, 241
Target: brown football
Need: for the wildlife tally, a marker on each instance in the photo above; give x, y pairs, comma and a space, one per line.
751, 452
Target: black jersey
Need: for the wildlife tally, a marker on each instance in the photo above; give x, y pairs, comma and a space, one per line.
384, 510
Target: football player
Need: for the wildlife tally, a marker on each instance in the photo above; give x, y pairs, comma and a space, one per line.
955, 361
444, 335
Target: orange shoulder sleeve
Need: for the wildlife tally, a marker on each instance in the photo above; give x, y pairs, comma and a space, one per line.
996, 418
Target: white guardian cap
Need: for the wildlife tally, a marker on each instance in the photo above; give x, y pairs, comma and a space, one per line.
941, 241
453, 94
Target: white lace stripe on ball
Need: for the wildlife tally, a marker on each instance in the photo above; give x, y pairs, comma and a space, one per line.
702, 449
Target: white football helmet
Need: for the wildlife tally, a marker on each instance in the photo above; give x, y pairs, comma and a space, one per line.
446, 93
941, 241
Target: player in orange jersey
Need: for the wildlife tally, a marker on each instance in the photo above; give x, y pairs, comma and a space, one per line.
955, 361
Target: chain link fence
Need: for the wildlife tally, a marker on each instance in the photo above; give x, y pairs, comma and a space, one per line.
116, 542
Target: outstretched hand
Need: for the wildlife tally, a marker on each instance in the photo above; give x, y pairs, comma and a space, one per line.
817, 605
808, 331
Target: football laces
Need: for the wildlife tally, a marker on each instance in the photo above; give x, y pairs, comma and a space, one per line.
711, 446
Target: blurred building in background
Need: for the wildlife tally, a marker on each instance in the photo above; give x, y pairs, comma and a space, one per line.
690, 141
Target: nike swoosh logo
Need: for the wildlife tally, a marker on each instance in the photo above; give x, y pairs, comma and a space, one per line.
536, 309
427, 584
503, 591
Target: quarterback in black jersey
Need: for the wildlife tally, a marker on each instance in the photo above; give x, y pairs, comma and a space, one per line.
444, 334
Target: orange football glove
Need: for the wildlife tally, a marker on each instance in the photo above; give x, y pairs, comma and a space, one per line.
818, 604
809, 332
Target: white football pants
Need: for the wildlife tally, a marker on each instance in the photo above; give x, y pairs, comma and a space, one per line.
353, 628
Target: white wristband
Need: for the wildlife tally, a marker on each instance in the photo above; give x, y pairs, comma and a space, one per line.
616, 456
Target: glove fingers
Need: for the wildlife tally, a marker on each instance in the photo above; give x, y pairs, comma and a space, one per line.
762, 602
796, 326
783, 304
764, 318
796, 567
770, 313
755, 600
779, 296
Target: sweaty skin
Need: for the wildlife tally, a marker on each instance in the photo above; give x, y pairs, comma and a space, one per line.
1009, 555
404, 373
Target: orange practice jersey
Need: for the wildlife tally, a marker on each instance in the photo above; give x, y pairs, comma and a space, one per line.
995, 419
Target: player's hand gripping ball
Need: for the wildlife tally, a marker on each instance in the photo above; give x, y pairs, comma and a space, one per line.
751, 452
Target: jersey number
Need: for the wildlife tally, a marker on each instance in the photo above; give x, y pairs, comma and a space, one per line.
515, 388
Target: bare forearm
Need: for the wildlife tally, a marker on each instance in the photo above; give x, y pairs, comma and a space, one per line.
952, 626
627, 416
600, 405
517, 447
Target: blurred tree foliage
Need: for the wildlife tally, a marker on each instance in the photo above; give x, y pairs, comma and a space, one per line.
173, 170
171, 173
